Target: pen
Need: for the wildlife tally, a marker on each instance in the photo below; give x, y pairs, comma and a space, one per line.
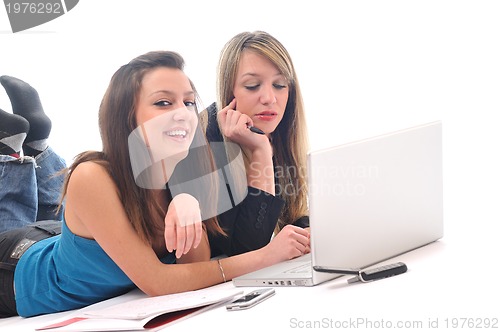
255, 130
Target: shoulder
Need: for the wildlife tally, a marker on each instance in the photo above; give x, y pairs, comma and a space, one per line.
89, 171
91, 178
91, 199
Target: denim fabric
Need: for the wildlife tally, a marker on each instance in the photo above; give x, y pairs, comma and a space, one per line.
30, 189
13, 244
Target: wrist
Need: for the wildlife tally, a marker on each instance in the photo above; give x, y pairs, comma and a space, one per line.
264, 257
261, 163
260, 169
260, 152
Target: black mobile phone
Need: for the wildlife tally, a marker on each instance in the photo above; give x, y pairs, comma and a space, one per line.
383, 271
377, 273
251, 299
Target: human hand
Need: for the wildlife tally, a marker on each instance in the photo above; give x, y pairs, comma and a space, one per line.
290, 242
235, 126
183, 225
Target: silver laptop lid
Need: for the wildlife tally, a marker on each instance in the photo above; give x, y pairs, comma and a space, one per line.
376, 198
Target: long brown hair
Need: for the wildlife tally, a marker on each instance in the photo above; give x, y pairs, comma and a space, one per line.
290, 141
116, 121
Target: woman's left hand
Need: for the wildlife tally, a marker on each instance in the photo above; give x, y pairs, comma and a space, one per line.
183, 224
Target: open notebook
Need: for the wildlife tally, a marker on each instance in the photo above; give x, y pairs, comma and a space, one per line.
369, 201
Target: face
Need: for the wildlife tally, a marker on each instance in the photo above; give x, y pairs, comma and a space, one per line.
166, 113
261, 91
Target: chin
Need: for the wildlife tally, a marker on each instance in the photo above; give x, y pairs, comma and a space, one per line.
269, 129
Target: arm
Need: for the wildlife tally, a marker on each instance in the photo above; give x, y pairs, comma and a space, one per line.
183, 225
258, 149
93, 210
290, 242
249, 225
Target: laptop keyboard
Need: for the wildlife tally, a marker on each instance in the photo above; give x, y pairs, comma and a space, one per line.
305, 268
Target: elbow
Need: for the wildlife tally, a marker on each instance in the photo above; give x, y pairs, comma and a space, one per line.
152, 290
150, 284
164, 280
159, 282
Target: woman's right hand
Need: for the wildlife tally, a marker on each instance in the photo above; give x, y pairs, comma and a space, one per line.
290, 242
183, 224
234, 125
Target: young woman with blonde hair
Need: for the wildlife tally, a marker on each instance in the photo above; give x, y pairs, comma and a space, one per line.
257, 87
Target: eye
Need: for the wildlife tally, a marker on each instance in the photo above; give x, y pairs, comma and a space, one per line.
191, 105
252, 87
163, 103
280, 86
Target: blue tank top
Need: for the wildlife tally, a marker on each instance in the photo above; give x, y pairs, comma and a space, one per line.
67, 272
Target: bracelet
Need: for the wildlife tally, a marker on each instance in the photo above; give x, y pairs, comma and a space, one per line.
221, 270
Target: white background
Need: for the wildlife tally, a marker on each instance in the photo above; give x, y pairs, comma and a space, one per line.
365, 68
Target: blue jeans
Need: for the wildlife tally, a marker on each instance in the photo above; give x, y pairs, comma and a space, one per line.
30, 189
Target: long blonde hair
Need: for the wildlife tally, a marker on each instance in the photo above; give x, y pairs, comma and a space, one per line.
289, 140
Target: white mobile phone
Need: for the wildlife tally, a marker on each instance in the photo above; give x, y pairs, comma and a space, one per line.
250, 299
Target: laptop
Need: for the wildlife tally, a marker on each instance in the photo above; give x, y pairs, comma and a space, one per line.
369, 201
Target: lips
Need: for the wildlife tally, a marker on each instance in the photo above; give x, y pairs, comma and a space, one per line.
173, 133
266, 115
177, 134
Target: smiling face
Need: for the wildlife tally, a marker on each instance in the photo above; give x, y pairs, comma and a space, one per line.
261, 91
166, 113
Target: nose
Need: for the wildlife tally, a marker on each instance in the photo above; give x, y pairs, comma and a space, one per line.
181, 113
267, 96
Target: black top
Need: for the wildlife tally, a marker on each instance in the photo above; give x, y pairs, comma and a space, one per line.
250, 224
